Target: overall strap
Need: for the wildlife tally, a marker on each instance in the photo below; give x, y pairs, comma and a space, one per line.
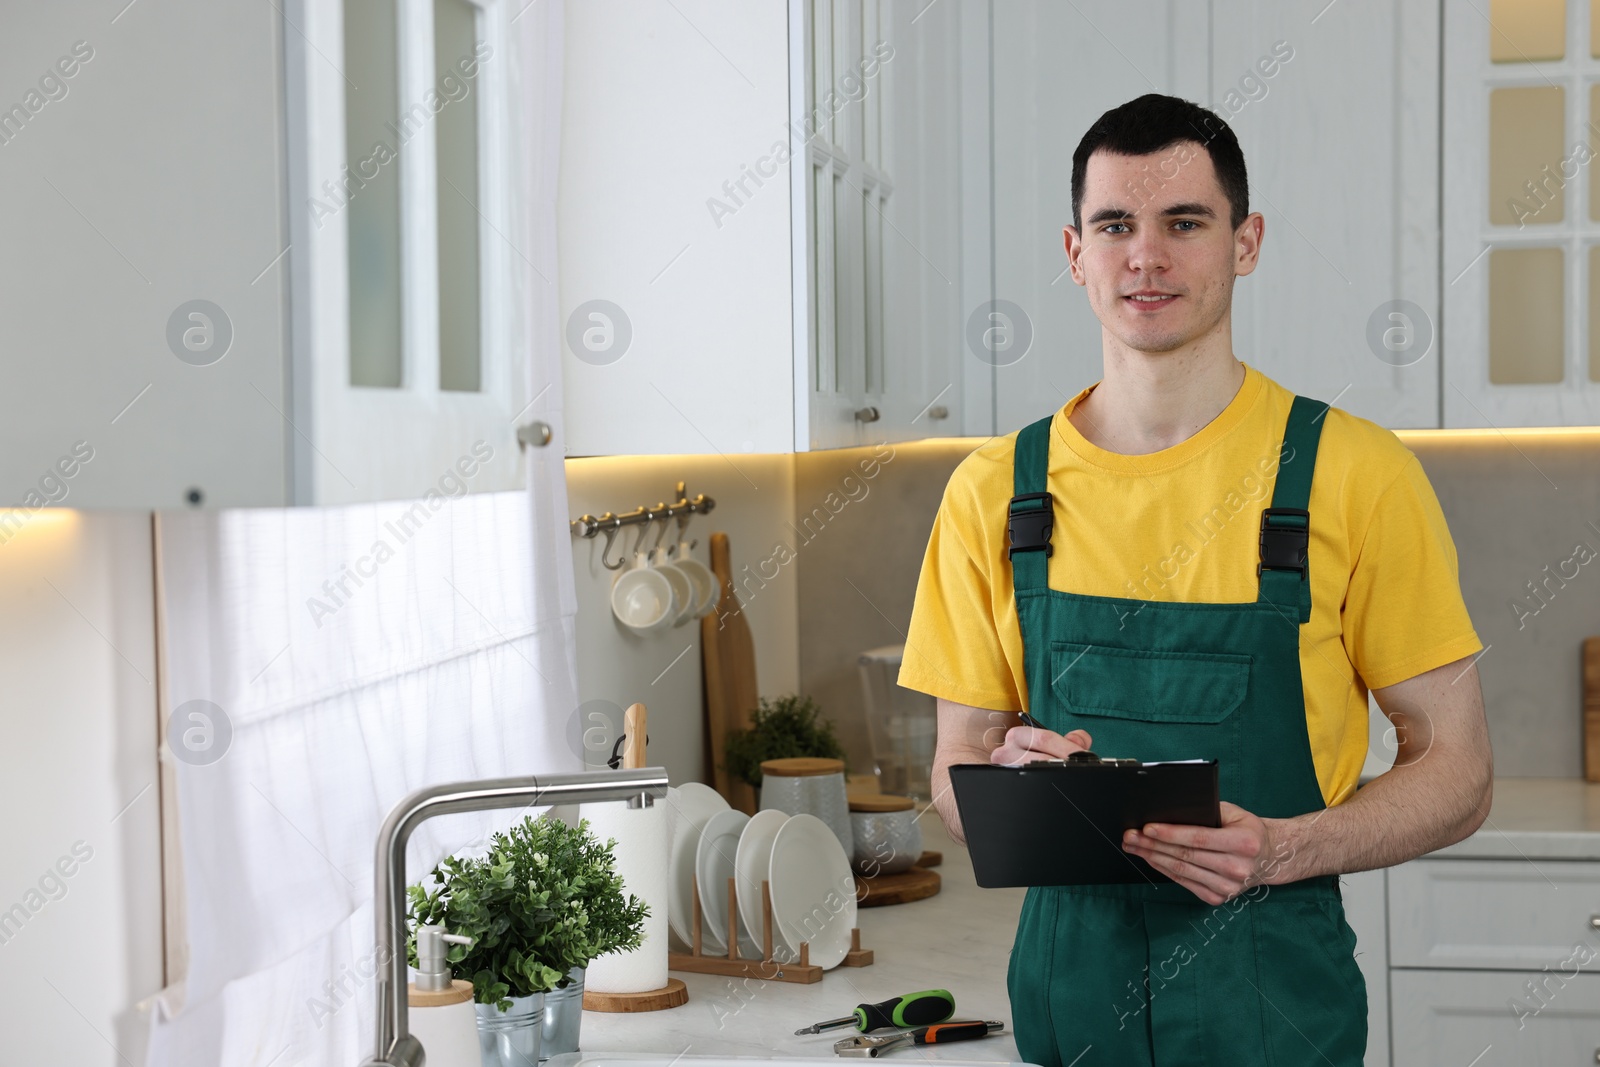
1032, 511
1286, 525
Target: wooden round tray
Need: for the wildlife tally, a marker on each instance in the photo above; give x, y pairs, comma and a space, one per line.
916, 883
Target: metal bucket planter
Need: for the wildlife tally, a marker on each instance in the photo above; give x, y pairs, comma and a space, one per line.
563, 1013
512, 1038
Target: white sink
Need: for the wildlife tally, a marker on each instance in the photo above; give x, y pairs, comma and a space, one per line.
666, 1059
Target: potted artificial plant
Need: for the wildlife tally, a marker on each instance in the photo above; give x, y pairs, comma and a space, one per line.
544, 901
788, 726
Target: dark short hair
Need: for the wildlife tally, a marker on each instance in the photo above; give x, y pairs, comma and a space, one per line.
1155, 122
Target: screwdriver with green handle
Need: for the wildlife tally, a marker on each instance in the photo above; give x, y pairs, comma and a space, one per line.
913, 1009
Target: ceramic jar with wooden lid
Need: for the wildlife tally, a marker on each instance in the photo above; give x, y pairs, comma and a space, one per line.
809, 785
887, 837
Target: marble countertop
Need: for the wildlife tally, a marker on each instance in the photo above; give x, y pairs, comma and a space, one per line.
958, 940
1536, 818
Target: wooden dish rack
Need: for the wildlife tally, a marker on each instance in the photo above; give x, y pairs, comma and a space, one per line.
735, 966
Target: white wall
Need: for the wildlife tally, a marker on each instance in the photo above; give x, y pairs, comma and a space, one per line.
754, 498
77, 665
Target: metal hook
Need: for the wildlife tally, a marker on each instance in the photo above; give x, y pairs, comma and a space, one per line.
664, 527
684, 518
615, 762
644, 528
611, 535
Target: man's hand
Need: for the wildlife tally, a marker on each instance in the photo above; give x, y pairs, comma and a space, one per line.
1215, 863
980, 735
1024, 743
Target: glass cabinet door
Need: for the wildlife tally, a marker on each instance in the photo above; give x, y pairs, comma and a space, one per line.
1521, 216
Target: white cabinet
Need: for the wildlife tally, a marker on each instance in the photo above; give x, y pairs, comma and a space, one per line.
782, 279
1521, 265
1492, 913
1495, 1019
882, 225
1494, 962
1343, 305
176, 276
1365, 909
413, 253
1039, 342
1343, 168
153, 181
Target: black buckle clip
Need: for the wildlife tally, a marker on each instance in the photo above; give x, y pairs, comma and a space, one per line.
1030, 529
1283, 547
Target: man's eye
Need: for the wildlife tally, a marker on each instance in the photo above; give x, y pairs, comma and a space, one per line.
1186, 222
1108, 228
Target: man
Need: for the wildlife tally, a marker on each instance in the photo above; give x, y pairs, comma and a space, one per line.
1174, 611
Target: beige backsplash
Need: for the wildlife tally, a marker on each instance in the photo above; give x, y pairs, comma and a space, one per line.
754, 497
859, 579
1517, 503
833, 542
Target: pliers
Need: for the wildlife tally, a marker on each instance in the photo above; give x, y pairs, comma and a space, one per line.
939, 1033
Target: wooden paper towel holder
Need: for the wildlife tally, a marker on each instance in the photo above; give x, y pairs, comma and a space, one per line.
674, 993
671, 995
735, 966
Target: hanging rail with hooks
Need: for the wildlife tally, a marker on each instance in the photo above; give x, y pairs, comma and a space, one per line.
682, 508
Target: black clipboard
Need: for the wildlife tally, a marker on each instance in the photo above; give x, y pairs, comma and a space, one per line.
1060, 822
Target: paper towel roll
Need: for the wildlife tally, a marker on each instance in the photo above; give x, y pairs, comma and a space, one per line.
642, 861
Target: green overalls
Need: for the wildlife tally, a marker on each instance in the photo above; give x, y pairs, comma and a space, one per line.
1146, 972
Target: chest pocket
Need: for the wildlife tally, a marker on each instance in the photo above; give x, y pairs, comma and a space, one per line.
1149, 705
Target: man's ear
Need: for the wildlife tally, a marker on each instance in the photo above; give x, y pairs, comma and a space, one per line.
1073, 245
1247, 243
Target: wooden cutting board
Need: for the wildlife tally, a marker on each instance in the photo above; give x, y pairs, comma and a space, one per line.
728, 656
1591, 709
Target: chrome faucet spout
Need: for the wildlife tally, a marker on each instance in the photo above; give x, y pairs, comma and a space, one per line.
395, 1047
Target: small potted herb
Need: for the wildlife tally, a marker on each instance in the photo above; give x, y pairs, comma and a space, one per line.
788, 726
543, 902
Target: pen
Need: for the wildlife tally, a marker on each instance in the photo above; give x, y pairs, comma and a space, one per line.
1029, 720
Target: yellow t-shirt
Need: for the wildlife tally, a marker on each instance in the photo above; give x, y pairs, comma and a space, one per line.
1183, 524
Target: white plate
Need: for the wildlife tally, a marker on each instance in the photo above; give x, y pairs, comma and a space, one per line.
713, 866
689, 807
692, 797
813, 890
750, 866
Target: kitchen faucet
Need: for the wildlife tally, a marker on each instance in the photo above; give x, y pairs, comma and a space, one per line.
396, 1047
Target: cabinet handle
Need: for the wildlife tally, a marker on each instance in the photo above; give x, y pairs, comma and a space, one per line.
536, 433
867, 414
1594, 924
938, 411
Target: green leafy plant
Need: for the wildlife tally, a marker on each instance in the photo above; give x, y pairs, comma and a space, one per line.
788, 726
545, 899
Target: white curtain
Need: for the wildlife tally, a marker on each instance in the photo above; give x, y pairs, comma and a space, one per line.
339, 676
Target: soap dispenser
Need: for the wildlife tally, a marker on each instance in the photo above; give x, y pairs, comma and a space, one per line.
441, 1014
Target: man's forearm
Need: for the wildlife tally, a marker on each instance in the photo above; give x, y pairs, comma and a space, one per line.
966, 735
1410, 810
944, 798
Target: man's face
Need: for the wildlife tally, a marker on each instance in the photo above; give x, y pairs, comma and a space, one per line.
1159, 224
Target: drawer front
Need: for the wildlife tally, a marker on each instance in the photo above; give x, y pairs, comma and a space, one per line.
1364, 901
1492, 1019
1511, 914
